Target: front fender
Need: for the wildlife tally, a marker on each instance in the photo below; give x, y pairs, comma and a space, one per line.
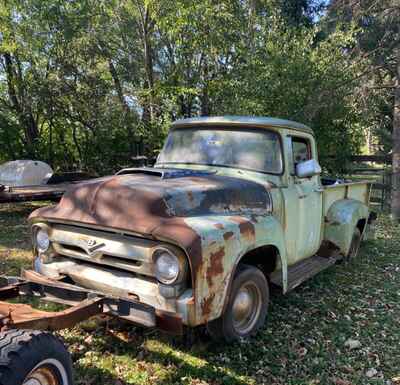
224, 240
341, 220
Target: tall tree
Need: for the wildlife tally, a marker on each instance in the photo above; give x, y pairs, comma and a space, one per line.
98, 76
378, 48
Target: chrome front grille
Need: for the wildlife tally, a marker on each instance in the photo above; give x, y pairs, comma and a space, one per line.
123, 252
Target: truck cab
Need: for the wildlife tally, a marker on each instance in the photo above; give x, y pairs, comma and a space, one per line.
232, 206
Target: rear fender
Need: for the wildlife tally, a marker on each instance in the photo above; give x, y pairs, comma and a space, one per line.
341, 220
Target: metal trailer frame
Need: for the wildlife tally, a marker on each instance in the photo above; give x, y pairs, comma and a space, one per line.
32, 193
83, 304
52, 191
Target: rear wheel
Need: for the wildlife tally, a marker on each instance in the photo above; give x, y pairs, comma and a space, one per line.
33, 358
247, 307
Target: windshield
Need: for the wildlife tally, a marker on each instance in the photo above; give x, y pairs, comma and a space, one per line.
257, 150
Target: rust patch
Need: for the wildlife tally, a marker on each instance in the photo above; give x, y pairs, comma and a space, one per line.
219, 226
248, 231
138, 203
131, 208
228, 235
246, 228
216, 266
190, 196
206, 305
22, 316
169, 322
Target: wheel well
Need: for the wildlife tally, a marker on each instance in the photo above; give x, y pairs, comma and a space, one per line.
264, 257
361, 225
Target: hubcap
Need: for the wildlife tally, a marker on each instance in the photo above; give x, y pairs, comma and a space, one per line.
246, 308
42, 376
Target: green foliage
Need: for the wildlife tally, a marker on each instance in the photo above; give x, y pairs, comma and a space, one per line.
375, 51
89, 84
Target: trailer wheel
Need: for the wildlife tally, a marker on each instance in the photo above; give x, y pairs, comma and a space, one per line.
247, 306
29, 357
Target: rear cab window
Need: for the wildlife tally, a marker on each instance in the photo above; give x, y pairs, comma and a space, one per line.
301, 150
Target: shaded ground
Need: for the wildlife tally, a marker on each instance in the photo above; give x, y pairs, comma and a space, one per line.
303, 342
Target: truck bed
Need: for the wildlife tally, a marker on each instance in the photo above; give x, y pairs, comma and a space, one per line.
359, 190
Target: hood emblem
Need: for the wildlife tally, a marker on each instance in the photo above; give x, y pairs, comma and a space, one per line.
93, 245
91, 242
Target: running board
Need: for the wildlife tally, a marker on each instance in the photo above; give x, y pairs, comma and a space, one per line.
303, 270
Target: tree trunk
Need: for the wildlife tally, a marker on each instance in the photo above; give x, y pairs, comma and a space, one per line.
205, 103
145, 27
396, 145
22, 109
127, 113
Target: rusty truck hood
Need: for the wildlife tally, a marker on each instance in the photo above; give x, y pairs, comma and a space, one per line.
156, 203
138, 202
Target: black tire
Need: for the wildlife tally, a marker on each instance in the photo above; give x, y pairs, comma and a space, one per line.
354, 245
33, 355
226, 327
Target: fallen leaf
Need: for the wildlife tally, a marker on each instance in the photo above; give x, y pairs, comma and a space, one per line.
371, 373
352, 344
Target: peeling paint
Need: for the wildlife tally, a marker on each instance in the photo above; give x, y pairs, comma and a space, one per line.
219, 226
228, 235
246, 228
215, 266
206, 304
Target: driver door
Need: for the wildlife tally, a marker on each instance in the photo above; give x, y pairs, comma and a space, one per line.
309, 194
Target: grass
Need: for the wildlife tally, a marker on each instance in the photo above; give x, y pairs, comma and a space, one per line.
303, 342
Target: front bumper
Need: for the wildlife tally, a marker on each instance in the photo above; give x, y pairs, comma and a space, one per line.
120, 284
83, 304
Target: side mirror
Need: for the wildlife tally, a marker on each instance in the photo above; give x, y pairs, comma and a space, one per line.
308, 168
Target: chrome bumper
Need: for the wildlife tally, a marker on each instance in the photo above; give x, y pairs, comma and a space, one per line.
120, 284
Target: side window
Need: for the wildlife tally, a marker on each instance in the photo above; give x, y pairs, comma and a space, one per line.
301, 150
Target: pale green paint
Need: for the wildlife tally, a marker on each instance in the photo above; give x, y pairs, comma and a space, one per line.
303, 206
341, 220
296, 226
359, 191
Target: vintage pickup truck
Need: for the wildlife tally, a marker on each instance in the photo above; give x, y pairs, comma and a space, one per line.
232, 205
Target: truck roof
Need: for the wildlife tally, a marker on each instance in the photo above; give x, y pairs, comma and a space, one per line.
251, 121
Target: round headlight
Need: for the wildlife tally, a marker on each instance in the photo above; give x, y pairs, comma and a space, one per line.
167, 266
42, 240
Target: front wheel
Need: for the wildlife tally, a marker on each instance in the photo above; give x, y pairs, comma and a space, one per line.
247, 306
33, 358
